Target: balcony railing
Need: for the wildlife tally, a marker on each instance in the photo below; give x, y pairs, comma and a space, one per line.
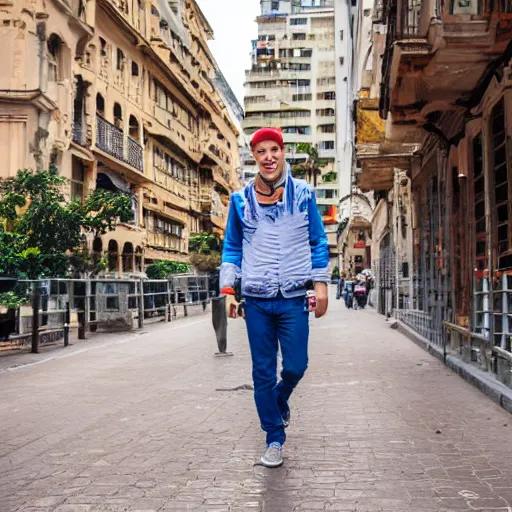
111, 140
135, 155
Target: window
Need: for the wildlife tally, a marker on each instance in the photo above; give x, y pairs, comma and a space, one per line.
54, 48
326, 128
302, 97
77, 180
299, 21
500, 181
325, 112
100, 105
479, 202
275, 6
135, 69
330, 95
299, 36
331, 80
103, 47
328, 144
120, 60
254, 99
298, 130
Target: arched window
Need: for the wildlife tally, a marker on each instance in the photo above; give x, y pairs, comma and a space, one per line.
54, 47
100, 105
120, 60
134, 128
128, 257
112, 256
138, 259
118, 115
135, 69
97, 250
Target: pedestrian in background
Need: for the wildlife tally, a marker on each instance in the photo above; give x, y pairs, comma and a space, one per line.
275, 241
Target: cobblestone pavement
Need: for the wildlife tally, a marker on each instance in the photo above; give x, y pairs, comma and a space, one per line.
147, 422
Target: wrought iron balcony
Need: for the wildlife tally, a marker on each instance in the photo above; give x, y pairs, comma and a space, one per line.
135, 154
109, 138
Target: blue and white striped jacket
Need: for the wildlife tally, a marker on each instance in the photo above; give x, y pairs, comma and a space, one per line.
275, 248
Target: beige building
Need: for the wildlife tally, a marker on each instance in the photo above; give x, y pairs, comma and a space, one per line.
121, 95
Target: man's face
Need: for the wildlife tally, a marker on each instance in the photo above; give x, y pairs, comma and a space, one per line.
270, 159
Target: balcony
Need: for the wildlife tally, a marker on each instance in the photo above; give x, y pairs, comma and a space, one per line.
277, 74
135, 154
111, 140
326, 153
453, 43
275, 122
298, 138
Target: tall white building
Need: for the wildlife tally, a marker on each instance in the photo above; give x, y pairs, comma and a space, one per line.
292, 85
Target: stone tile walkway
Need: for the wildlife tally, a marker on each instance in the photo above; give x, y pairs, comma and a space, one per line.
137, 422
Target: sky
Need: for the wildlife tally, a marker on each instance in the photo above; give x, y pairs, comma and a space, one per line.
234, 25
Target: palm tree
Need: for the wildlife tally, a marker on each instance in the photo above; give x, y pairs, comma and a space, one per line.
310, 168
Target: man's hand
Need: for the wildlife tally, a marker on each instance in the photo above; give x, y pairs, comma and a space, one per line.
322, 300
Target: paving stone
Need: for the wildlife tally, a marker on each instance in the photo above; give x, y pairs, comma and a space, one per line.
142, 427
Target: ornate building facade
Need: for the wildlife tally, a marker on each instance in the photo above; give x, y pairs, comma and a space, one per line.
121, 95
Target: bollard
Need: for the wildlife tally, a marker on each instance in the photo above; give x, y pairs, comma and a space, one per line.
36, 302
185, 310
81, 325
220, 324
140, 304
67, 321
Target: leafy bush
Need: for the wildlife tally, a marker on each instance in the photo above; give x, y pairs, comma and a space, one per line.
162, 269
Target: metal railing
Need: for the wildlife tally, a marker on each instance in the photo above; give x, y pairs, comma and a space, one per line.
109, 138
55, 306
135, 154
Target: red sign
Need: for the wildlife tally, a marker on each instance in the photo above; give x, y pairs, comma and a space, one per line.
360, 244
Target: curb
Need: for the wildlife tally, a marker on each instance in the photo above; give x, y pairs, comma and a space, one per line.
486, 383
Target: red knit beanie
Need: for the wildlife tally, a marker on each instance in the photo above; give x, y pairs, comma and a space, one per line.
263, 134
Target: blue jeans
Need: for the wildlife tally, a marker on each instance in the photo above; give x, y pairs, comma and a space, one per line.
269, 322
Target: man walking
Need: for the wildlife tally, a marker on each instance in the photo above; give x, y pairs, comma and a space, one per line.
275, 241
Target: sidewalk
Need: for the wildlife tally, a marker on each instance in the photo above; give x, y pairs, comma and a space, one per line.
139, 423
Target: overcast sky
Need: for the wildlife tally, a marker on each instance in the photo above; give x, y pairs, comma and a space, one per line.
233, 22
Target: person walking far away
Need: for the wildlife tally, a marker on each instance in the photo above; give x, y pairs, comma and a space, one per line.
276, 243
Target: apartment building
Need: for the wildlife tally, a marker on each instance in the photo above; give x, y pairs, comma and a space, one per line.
121, 95
440, 170
292, 85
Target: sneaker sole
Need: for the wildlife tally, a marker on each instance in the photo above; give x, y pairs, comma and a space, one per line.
270, 464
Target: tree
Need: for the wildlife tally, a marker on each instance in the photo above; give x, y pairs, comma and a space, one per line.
205, 251
40, 229
203, 243
311, 167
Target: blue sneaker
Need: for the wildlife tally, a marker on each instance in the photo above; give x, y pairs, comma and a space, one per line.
273, 456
